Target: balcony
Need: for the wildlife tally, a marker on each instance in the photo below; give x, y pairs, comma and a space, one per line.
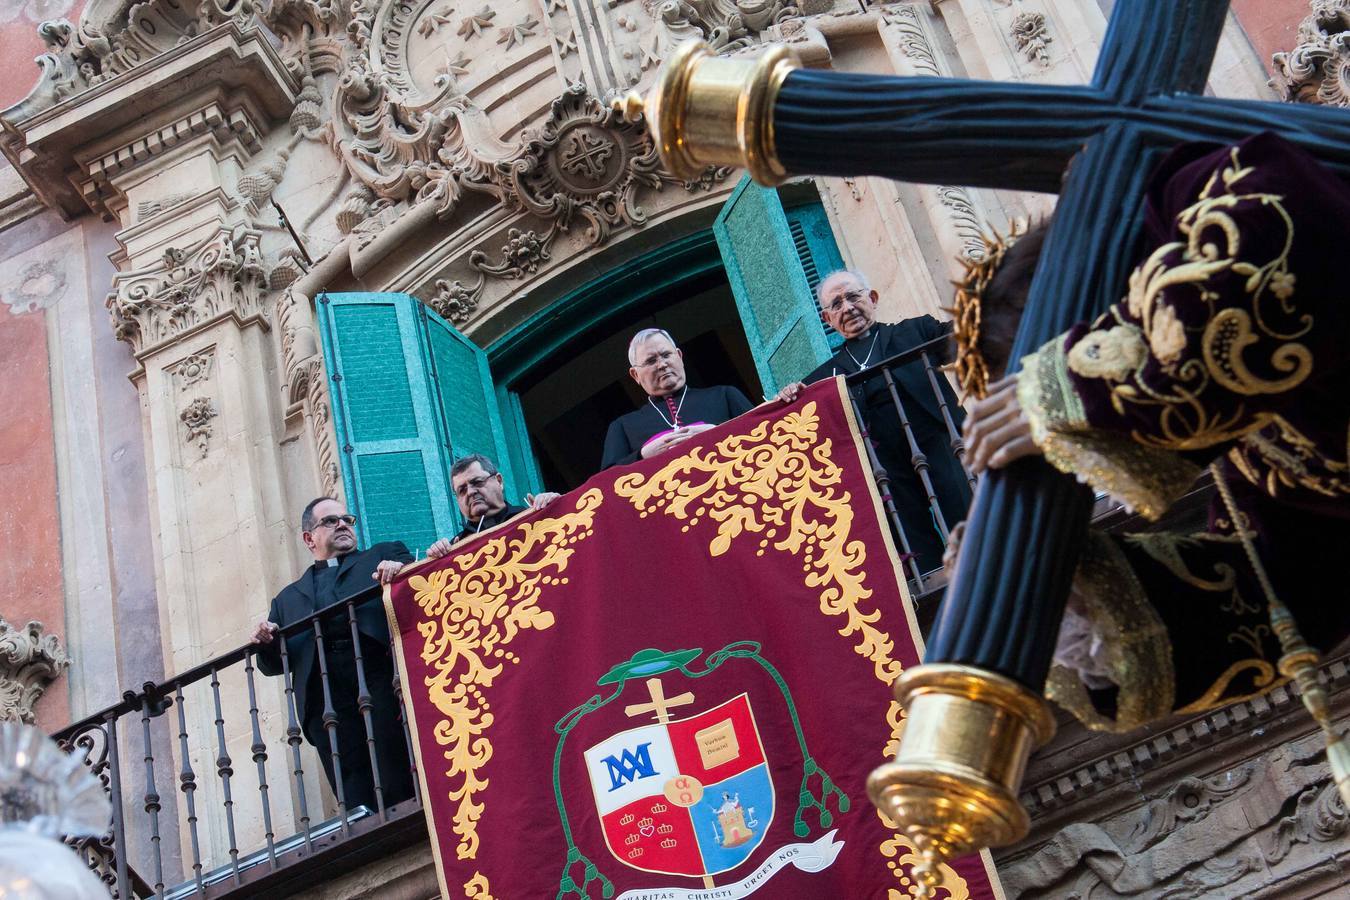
215, 790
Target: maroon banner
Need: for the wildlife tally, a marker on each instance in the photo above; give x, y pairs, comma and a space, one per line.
674, 681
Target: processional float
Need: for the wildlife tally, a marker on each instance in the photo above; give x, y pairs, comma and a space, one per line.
975, 709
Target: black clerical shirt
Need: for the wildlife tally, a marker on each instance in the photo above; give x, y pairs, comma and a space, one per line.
336, 625
688, 406
490, 521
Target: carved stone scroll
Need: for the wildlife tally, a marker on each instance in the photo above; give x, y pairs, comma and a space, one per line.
29, 662
1317, 70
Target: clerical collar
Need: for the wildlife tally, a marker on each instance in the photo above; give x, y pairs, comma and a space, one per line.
328, 563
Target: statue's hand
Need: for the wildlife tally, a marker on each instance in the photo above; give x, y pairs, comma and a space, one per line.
997, 431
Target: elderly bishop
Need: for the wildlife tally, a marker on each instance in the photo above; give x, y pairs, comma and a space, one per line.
674, 411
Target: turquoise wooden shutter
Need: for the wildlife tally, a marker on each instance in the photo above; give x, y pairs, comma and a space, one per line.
521, 453
778, 311
813, 239
467, 399
394, 468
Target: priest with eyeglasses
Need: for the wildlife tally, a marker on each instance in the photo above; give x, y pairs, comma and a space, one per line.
341, 570
849, 305
673, 412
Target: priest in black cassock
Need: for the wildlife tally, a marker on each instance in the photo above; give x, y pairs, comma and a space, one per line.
480, 493
849, 305
674, 411
339, 571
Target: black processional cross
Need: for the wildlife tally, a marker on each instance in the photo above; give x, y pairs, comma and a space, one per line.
973, 708
1028, 522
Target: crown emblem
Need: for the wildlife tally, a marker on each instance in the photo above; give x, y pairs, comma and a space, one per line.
664, 829
658, 808
668, 843
635, 852
627, 819
631, 839
646, 822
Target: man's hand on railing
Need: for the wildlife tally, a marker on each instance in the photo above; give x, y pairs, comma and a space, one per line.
540, 500
264, 633
997, 432
790, 391
387, 571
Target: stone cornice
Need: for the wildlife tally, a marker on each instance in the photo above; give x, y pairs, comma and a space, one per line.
1049, 787
68, 142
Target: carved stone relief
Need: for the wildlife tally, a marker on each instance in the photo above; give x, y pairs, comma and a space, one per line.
903, 21
193, 370
196, 418
456, 302
964, 219
1032, 36
1222, 834
188, 288
307, 388
726, 25
29, 662
115, 36
1317, 70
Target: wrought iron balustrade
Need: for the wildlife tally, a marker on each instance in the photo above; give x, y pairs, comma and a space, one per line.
928, 355
124, 745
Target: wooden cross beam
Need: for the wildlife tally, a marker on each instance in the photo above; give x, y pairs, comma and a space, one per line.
1027, 523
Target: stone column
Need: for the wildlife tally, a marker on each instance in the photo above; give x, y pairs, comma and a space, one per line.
169, 142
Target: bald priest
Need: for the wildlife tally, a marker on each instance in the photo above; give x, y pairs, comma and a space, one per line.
674, 411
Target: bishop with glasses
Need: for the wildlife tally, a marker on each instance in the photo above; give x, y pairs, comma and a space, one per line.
674, 411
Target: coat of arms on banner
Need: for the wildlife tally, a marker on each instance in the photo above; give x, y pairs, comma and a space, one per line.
688, 796
692, 795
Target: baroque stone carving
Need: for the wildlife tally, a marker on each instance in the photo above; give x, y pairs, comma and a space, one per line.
196, 418
1317, 70
964, 218
313, 34
1032, 35
913, 41
726, 25
456, 302
256, 187
29, 661
307, 387
586, 162
193, 369
115, 36
522, 254
1201, 838
188, 288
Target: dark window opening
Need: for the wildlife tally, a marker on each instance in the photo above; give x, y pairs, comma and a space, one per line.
570, 398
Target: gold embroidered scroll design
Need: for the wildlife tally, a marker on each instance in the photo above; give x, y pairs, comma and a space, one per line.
476, 888
472, 610
777, 481
1213, 246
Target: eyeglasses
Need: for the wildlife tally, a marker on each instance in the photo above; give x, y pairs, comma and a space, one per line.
331, 521
475, 483
853, 298
663, 356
